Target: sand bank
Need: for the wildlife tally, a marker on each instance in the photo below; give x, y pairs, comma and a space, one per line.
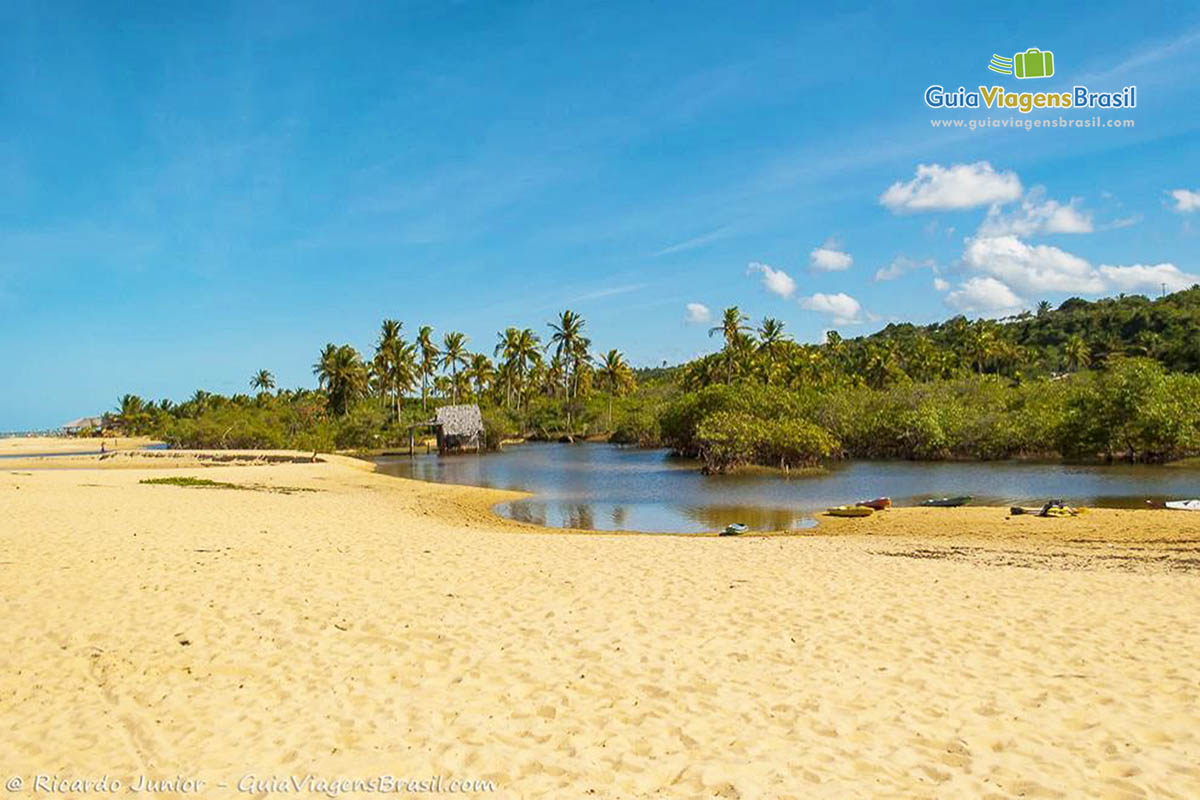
33, 445
377, 625
136, 458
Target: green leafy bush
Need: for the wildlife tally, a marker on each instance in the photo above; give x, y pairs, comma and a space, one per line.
728, 439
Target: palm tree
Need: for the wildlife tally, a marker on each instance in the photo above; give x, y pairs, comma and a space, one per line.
199, 402
481, 373
263, 381
342, 374
551, 376
1076, 352
394, 364
835, 345
389, 334
131, 410
521, 351
877, 365
402, 369
981, 344
616, 374
571, 348
1148, 343
565, 339
1043, 308
389, 331
506, 348
732, 323
731, 328
429, 358
770, 337
454, 356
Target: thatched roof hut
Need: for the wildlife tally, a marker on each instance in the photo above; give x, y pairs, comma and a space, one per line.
82, 424
459, 427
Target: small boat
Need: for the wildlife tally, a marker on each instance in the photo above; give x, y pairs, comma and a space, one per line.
1183, 505
734, 529
1053, 508
947, 502
878, 504
850, 511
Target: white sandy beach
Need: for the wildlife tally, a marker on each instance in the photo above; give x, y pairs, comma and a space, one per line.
381, 626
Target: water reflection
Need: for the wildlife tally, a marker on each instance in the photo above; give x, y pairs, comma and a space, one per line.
609, 488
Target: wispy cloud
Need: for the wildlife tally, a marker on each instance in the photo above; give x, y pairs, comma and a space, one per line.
1184, 45
607, 292
697, 241
902, 265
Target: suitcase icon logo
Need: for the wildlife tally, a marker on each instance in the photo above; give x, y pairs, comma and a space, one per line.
1033, 63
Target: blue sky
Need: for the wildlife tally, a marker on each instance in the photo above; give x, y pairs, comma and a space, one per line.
192, 192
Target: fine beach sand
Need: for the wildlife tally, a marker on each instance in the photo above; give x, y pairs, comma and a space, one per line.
383, 626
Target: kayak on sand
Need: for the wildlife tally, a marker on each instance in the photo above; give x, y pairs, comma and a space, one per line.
947, 502
878, 504
850, 511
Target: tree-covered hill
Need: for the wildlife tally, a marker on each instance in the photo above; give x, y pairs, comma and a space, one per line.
1078, 333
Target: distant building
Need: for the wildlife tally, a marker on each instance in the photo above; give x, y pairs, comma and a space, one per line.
104, 422
82, 425
459, 428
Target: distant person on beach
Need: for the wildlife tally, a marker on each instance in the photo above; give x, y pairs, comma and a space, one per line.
102, 448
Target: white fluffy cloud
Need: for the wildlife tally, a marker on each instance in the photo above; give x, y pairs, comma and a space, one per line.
901, 265
1037, 215
984, 296
844, 309
697, 313
938, 188
775, 281
1147, 276
1030, 269
1186, 200
830, 259
1007, 270
940, 285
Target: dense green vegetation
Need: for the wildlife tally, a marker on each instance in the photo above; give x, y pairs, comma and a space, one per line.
1111, 379
527, 388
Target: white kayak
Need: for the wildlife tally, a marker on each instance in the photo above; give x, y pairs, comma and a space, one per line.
1184, 505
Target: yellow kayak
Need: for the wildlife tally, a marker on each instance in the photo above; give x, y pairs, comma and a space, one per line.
850, 511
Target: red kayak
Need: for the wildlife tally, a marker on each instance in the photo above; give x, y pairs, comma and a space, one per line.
879, 503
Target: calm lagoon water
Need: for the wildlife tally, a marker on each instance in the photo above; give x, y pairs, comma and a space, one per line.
603, 487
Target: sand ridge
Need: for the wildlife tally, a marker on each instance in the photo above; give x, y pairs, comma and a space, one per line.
378, 625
